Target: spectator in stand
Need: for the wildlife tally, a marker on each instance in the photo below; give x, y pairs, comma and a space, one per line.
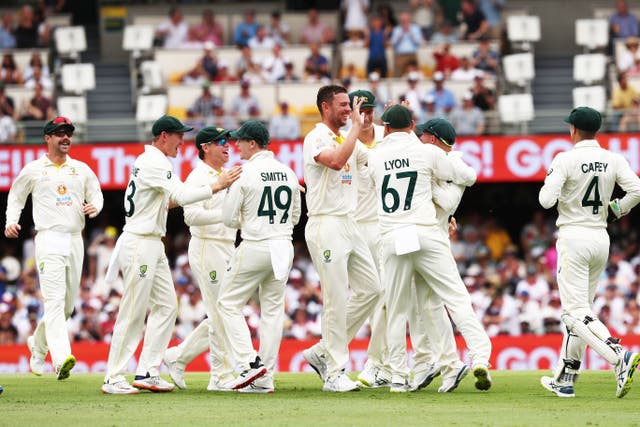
8, 332
354, 39
355, 16
245, 61
412, 95
278, 29
475, 21
496, 238
443, 31
423, 12
221, 118
7, 105
38, 76
467, 119
8, 128
623, 96
26, 31
629, 59
429, 110
284, 126
99, 254
35, 61
209, 30
203, 106
191, 311
389, 20
195, 76
273, 66
492, 10
209, 61
446, 62
245, 29
445, 100
316, 31
538, 233
534, 284
630, 120
380, 93
40, 107
406, 37
377, 39
451, 11
261, 40
551, 314
301, 327
316, 66
483, 97
9, 73
289, 74
224, 75
501, 317
485, 58
622, 23
174, 31
244, 102
7, 37
465, 72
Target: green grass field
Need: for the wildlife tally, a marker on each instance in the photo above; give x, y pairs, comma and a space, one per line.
516, 399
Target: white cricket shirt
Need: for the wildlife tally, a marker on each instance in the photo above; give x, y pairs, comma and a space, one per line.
57, 194
581, 181
447, 195
264, 203
330, 192
151, 185
367, 211
204, 218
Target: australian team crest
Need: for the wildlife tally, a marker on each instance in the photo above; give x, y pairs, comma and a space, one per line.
143, 270
327, 255
213, 274
41, 267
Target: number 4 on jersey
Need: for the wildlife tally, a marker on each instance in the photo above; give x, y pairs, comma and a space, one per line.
594, 202
269, 199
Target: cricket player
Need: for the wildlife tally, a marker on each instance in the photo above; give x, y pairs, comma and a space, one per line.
63, 191
210, 248
338, 250
430, 329
412, 242
265, 205
140, 254
581, 182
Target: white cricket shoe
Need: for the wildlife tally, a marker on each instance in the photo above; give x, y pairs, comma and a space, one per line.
155, 384
36, 362
340, 383
216, 384
120, 387
451, 383
560, 390
374, 376
63, 371
255, 370
424, 376
483, 378
399, 384
625, 369
317, 361
176, 370
263, 385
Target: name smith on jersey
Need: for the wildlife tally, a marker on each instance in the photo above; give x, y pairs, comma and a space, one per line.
273, 176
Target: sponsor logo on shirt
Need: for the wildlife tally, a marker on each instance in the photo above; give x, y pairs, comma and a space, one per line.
62, 189
63, 199
347, 176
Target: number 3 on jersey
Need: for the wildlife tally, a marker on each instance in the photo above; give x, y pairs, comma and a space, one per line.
129, 206
594, 201
270, 198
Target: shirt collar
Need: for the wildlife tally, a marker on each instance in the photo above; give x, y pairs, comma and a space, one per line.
587, 143
324, 129
264, 154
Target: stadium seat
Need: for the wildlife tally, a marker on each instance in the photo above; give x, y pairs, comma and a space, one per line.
137, 38
73, 107
589, 68
518, 68
70, 41
523, 30
150, 107
516, 108
590, 96
78, 78
592, 33
151, 77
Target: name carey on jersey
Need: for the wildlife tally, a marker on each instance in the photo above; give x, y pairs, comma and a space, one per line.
273, 176
594, 167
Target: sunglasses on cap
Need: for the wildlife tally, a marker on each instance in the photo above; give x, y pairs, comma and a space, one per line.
61, 120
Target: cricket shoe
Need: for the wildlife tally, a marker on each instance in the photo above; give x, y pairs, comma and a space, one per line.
560, 390
340, 383
63, 371
255, 370
317, 361
423, 377
36, 362
176, 369
483, 378
451, 383
625, 369
263, 385
217, 384
155, 384
119, 387
399, 384
374, 376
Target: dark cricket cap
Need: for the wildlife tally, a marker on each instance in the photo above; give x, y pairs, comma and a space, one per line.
169, 124
252, 129
441, 129
58, 123
210, 134
397, 117
369, 98
585, 118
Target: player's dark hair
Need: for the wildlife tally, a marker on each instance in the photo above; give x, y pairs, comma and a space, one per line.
200, 153
326, 94
586, 134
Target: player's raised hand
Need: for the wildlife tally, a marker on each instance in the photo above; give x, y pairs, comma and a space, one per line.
227, 178
12, 231
357, 118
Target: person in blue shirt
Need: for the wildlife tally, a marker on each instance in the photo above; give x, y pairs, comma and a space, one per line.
623, 23
7, 38
245, 29
444, 99
406, 37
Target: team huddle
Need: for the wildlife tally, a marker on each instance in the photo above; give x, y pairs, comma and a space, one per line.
380, 200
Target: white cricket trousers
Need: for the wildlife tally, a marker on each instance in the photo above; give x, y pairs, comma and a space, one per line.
148, 285
208, 260
251, 269
59, 275
377, 352
344, 263
437, 267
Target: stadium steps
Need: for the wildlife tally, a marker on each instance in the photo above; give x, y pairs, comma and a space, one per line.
552, 92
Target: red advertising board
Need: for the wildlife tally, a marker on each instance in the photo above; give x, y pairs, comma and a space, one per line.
509, 353
495, 158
